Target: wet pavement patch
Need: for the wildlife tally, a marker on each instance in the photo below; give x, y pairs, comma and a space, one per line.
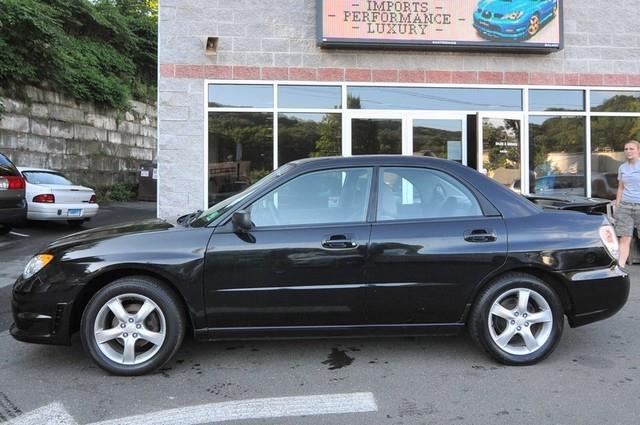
338, 359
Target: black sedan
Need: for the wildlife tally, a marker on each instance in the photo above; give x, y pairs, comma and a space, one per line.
371, 245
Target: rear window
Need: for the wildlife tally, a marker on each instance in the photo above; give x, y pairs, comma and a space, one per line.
7, 168
46, 177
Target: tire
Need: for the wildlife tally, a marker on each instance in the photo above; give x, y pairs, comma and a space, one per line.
500, 326
534, 25
124, 348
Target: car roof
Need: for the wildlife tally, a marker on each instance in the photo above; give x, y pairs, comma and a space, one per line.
21, 169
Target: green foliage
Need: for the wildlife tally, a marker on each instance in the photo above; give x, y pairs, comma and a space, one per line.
102, 51
120, 192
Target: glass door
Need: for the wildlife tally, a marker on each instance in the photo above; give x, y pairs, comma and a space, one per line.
373, 133
442, 136
406, 133
500, 152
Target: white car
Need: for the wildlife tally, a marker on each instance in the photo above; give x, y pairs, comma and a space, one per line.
51, 196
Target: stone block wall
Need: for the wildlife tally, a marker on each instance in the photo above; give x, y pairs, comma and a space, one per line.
89, 144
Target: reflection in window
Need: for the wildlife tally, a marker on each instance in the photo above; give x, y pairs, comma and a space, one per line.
319, 97
615, 101
241, 95
435, 98
376, 136
501, 150
240, 151
556, 100
335, 196
608, 136
556, 155
308, 135
441, 138
416, 193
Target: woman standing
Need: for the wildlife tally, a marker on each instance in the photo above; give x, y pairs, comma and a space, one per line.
628, 198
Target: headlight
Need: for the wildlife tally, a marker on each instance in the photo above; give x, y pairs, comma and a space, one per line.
514, 15
36, 264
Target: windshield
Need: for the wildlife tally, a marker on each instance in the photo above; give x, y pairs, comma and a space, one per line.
221, 207
46, 177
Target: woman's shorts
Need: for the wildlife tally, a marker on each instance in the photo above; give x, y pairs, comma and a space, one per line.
627, 217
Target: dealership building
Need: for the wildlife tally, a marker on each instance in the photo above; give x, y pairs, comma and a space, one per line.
540, 95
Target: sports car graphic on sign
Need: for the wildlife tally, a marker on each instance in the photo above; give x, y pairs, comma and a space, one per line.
513, 19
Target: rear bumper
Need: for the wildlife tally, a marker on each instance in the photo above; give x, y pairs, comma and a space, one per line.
13, 215
597, 294
60, 211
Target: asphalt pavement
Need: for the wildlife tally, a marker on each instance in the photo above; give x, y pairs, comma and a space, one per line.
591, 378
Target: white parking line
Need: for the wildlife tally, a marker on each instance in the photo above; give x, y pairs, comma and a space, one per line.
53, 413
19, 234
259, 408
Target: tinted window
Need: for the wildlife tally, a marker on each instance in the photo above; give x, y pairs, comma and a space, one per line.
556, 100
241, 95
416, 193
6, 167
335, 196
615, 101
45, 177
321, 97
308, 135
434, 98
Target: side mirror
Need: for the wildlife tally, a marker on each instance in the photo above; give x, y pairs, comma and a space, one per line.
241, 221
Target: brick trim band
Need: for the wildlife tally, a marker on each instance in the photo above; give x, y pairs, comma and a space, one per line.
224, 72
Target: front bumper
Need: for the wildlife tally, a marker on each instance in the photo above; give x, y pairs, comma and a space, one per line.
515, 30
42, 315
596, 294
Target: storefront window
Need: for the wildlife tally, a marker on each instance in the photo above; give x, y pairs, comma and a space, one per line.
376, 136
435, 98
308, 135
556, 155
608, 136
310, 97
615, 101
556, 100
501, 150
240, 151
241, 95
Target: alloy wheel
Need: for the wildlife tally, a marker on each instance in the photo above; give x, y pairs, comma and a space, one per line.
130, 329
534, 25
520, 321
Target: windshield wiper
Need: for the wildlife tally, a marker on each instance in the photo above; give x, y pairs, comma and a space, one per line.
187, 219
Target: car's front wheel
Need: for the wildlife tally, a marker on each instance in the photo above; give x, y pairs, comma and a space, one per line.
534, 25
518, 319
132, 326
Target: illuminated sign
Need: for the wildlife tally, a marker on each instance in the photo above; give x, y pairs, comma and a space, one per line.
449, 24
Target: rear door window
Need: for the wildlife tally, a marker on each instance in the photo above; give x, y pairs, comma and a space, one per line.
7, 168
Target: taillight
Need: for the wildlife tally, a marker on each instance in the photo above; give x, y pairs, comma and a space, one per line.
609, 240
46, 198
92, 200
12, 182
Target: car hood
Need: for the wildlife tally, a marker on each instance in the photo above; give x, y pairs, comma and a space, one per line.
108, 232
502, 6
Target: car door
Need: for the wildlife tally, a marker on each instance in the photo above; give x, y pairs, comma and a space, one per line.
433, 241
302, 264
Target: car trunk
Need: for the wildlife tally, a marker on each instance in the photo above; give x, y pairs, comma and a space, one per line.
66, 194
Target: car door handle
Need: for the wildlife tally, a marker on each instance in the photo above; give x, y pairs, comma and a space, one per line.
339, 242
480, 235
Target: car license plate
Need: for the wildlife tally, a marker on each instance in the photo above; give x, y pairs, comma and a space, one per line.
76, 212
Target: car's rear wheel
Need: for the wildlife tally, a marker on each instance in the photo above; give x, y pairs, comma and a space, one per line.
132, 326
534, 25
518, 319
